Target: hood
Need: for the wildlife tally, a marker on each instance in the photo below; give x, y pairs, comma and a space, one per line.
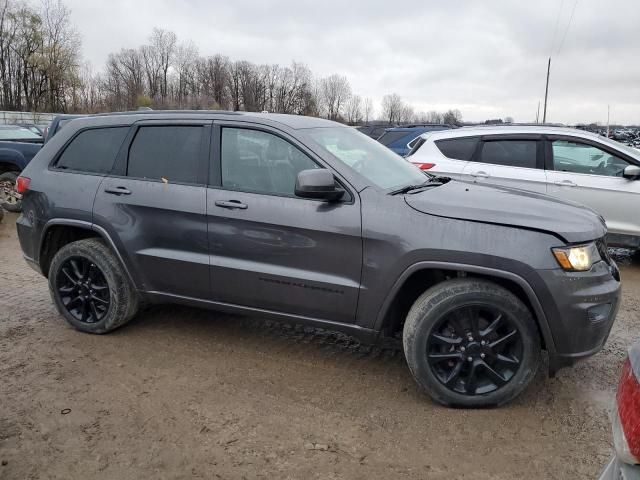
572, 222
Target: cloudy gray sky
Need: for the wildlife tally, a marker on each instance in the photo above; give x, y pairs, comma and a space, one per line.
487, 58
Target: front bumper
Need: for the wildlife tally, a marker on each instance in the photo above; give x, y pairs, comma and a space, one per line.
617, 470
581, 308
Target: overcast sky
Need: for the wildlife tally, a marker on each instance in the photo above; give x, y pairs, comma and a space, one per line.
487, 58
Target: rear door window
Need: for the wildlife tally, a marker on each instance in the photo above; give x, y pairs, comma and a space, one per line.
391, 137
93, 151
171, 153
510, 153
458, 148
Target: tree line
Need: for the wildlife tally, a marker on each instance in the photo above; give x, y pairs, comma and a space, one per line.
41, 69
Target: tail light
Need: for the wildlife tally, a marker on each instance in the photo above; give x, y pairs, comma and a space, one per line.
22, 184
626, 417
425, 166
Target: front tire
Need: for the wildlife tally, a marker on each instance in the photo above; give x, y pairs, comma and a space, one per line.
471, 343
90, 287
10, 199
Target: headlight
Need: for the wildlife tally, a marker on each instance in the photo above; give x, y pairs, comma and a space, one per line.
577, 259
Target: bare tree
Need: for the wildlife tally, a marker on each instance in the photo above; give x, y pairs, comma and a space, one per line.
368, 109
335, 92
353, 110
392, 108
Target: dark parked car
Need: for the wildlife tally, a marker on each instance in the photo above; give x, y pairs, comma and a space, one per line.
373, 131
302, 219
18, 145
57, 123
399, 139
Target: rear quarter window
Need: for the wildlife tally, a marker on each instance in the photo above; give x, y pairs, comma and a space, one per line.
458, 148
93, 151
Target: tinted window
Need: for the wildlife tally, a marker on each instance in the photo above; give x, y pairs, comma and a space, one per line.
512, 153
415, 145
260, 162
170, 153
93, 150
458, 148
582, 158
391, 137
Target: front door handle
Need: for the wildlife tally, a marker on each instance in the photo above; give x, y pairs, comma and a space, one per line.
566, 183
231, 204
117, 190
480, 174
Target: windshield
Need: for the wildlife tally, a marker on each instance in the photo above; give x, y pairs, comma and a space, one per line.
18, 134
369, 158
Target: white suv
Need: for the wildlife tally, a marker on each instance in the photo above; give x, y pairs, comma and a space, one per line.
564, 162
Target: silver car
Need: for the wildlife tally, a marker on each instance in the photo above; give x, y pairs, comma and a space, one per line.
559, 161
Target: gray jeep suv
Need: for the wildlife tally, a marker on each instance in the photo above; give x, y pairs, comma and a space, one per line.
306, 220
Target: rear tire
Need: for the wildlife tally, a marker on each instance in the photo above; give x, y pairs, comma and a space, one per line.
471, 343
90, 288
10, 200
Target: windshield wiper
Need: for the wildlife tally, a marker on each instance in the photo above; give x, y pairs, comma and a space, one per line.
431, 182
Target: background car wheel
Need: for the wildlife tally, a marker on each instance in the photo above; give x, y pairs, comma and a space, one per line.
90, 287
471, 343
10, 199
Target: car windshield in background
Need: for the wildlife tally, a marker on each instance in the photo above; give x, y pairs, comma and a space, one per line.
389, 137
19, 133
366, 156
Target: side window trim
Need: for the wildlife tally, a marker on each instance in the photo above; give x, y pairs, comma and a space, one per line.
215, 158
54, 161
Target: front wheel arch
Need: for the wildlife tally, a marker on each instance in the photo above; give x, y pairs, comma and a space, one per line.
421, 276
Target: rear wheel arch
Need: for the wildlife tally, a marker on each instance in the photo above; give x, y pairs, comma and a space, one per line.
418, 278
59, 232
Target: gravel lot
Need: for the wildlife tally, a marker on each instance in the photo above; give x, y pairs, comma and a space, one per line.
186, 393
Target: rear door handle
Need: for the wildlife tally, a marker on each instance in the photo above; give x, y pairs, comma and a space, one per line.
117, 190
231, 204
480, 174
566, 183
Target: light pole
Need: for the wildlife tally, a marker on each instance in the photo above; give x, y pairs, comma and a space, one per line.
546, 93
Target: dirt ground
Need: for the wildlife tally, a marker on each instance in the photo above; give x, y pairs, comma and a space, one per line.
186, 393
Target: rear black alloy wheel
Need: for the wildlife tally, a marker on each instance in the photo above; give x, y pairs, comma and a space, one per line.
90, 288
83, 290
474, 349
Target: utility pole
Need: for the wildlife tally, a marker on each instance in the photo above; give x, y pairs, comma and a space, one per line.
546, 93
607, 121
538, 113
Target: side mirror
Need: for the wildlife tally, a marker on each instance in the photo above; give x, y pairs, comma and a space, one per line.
318, 183
632, 172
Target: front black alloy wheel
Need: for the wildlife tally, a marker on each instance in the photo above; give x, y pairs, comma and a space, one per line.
471, 343
83, 289
475, 349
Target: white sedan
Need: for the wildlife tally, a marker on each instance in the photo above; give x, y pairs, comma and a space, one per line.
564, 162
